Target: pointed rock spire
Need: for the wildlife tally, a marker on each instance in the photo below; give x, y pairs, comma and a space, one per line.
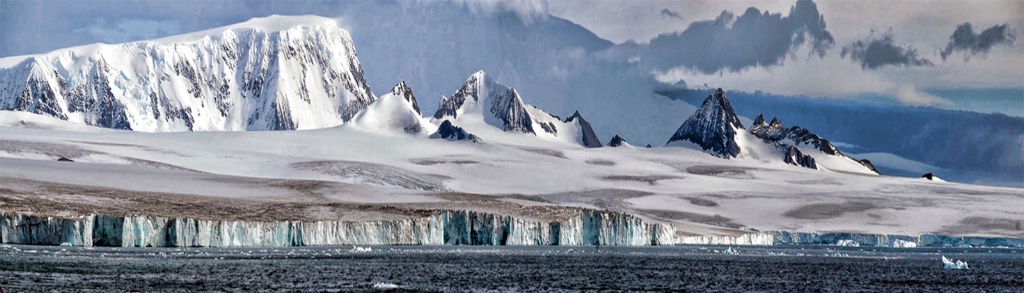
403, 90
587, 137
712, 127
617, 141
759, 121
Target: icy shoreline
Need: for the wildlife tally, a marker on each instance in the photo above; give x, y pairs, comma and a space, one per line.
588, 227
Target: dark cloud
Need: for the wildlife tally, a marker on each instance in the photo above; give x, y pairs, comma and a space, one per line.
753, 39
965, 40
670, 14
876, 53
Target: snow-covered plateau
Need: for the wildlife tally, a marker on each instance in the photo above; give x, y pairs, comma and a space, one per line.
142, 144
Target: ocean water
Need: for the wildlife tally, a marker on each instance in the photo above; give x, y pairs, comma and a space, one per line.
506, 269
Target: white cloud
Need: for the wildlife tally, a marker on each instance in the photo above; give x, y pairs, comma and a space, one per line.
527, 10
909, 95
130, 29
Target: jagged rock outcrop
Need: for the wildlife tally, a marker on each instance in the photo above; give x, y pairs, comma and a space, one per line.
585, 133
793, 156
273, 73
713, 127
775, 132
788, 141
617, 141
482, 101
451, 132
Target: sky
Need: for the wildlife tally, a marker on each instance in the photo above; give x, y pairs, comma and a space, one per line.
909, 50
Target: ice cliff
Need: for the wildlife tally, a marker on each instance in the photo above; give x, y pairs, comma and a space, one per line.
587, 227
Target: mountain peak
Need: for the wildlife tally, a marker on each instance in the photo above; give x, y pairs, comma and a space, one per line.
586, 135
510, 109
759, 121
403, 90
262, 89
617, 141
713, 127
478, 86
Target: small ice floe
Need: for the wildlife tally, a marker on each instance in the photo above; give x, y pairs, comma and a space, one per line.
361, 249
847, 242
951, 265
729, 251
65, 244
384, 286
900, 243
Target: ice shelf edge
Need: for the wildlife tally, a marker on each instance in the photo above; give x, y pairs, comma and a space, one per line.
587, 227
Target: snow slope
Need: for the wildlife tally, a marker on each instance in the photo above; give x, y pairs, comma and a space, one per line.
715, 128
347, 174
276, 72
396, 111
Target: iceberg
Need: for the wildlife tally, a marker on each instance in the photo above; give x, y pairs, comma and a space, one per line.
953, 265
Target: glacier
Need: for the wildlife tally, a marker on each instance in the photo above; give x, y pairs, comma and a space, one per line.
271, 73
588, 227
585, 227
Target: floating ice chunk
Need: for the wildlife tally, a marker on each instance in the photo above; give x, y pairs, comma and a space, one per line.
65, 244
847, 242
384, 286
900, 243
729, 251
951, 265
361, 249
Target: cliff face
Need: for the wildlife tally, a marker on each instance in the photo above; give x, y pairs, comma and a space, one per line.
587, 227
274, 73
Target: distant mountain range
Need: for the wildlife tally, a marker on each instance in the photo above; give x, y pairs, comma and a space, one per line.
288, 73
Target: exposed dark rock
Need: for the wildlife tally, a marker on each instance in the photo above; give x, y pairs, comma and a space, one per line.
617, 141
509, 107
793, 156
451, 132
712, 127
776, 134
588, 137
63, 159
866, 163
403, 90
928, 176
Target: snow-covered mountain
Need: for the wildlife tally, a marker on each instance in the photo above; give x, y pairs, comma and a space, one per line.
482, 105
714, 127
795, 141
272, 73
396, 111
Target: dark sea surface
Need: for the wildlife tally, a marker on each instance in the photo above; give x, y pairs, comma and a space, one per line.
505, 269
